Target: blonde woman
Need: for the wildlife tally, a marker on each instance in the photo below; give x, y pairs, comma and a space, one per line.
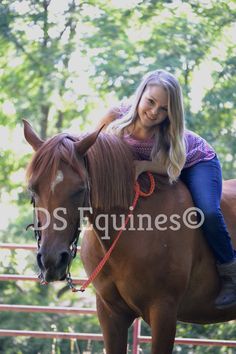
153, 125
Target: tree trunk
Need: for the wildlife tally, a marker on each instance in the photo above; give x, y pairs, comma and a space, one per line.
44, 121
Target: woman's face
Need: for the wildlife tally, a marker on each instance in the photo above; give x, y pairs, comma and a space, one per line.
153, 107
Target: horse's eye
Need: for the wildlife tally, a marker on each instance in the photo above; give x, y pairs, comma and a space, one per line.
78, 192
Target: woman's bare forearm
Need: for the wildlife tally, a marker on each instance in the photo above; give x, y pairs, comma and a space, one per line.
152, 166
111, 115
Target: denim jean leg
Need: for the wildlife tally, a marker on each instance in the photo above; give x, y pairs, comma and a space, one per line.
204, 181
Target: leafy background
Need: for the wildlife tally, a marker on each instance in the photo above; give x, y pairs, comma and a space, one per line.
62, 64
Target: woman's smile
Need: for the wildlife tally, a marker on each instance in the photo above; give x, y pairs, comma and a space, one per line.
151, 118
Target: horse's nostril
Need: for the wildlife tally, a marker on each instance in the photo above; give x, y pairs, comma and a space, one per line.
54, 262
39, 261
64, 258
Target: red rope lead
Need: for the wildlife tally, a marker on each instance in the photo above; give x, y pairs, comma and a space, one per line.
152, 186
99, 267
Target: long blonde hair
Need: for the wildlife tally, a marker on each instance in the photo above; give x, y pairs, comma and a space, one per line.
169, 146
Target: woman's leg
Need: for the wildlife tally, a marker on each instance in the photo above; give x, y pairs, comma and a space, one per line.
204, 181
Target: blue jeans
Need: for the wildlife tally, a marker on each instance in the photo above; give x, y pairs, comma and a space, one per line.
204, 181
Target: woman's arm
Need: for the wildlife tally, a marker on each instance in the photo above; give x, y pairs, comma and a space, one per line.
111, 115
151, 166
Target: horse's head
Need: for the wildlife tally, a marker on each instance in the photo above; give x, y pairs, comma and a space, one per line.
57, 179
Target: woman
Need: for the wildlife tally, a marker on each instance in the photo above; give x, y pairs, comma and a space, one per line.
153, 125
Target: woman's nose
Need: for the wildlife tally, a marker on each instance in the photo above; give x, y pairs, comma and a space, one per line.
155, 110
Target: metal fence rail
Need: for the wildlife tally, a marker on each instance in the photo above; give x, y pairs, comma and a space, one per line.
41, 334
16, 246
99, 337
16, 277
48, 309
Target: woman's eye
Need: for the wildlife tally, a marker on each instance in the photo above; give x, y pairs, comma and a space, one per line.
150, 101
164, 109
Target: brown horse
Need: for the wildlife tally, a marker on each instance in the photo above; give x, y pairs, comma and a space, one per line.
160, 273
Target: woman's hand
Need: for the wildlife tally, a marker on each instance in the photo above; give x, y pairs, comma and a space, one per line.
152, 166
139, 168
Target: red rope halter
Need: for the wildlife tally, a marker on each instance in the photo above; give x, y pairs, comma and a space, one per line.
138, 193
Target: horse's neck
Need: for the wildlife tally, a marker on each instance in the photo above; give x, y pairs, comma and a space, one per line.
108, 224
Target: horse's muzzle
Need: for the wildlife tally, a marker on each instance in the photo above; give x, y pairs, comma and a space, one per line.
53, 266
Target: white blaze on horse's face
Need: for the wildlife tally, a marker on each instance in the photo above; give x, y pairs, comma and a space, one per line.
59, 178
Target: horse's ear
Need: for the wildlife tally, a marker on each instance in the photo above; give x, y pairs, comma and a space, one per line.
31, 137
83, 145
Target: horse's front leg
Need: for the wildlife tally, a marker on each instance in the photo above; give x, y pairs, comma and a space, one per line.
163, 318
114, 326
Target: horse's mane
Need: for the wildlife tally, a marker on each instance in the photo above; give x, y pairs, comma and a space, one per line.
110, 164
112, 173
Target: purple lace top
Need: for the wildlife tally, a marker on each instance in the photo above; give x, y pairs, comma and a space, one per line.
197, 148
